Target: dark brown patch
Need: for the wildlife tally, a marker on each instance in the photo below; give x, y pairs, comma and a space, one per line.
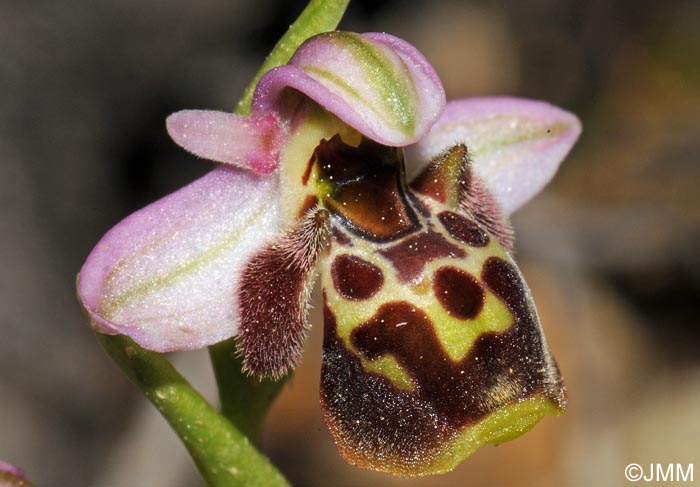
339, 237
309, 202
307, 172
430, 184
379, 426
441, 179
459, 292
368, 195
504, 280
410, 256
458, 391
419, 204
455, 390
273, 297
355, 278
464, 230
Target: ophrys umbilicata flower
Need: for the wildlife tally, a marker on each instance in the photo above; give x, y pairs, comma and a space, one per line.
352, 166
11, 476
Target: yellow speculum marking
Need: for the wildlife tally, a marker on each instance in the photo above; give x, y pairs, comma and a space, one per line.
458, 336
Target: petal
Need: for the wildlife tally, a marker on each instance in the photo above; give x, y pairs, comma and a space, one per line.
274, 297
166, 276
449, 179
516, 145
249, 142
376, 83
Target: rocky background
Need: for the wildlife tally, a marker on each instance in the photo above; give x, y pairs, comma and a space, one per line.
610, 249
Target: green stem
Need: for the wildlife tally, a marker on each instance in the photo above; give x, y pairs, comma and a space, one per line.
223, 454
319, 16
244, 400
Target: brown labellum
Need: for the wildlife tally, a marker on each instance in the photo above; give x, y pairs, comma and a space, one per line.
379, 426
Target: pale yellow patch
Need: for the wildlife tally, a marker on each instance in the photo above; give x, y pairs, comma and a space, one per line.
504, 424
312, 124
457, 336
388, 367
423, 286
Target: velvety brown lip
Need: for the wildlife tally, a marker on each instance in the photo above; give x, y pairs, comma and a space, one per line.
378, 425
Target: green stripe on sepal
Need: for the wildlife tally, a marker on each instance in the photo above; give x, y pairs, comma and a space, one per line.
394, 96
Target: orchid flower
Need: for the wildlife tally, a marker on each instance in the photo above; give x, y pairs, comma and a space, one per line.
11, 476
351, 166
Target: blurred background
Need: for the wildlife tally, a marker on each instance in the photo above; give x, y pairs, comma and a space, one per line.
610, 249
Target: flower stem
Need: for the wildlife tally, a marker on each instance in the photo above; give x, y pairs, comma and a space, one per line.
222, 453
244, 400
319, 16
